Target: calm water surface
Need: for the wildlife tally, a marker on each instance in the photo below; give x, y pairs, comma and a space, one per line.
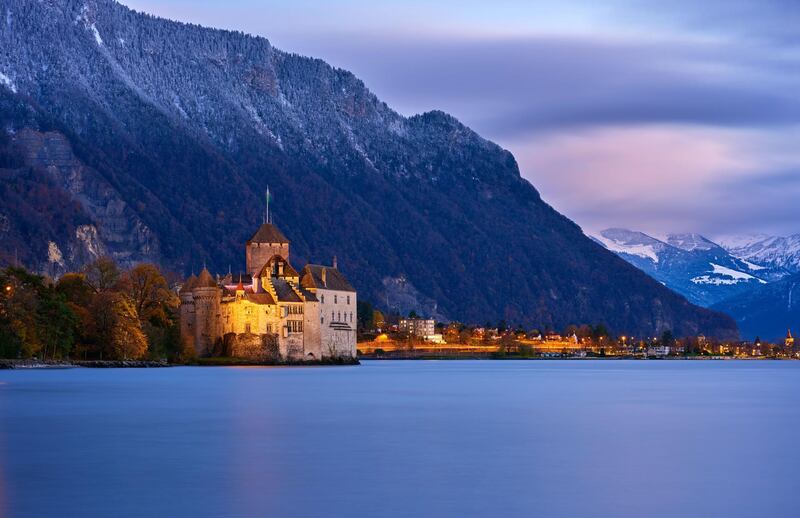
405, 438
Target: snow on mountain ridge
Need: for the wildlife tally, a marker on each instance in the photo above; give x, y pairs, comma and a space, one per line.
690, 242
688, 263
769, 251
622, 241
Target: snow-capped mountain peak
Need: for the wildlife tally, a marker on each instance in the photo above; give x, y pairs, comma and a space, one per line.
773, 251
689, 263
690, 242
623, 241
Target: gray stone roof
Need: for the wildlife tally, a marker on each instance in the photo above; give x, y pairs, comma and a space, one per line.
189, 284
324, 277
268, 233
284, 291
205, 280
260, 298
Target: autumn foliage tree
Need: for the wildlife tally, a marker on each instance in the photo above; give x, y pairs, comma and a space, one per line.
99, 313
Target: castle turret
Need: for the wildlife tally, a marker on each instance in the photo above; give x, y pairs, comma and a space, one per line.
188, 323
206, 296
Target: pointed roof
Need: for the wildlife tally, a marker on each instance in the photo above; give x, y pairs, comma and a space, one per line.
268, 233
317, 276
789, 333
288, 269
189, 284
205, 280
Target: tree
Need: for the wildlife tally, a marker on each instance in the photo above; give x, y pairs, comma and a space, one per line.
365, 313
56, 325
667, 339
127, 338
75, 288
599, 331
149, 292
378, 320
102, 274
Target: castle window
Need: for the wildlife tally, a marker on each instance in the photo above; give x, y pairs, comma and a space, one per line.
321, 320
247, 328
322, 299
348, 300
340, 316
335, 299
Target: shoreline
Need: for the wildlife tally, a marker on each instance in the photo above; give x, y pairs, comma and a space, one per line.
575, 358
20, 364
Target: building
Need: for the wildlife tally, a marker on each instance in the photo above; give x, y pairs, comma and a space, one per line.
658, 350
420, 327
272, 312
789, 342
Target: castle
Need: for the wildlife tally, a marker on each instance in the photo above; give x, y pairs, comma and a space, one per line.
272, 312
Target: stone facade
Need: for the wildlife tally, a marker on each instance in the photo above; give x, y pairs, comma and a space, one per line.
272, 313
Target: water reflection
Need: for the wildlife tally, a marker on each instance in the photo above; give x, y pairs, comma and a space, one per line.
504, 438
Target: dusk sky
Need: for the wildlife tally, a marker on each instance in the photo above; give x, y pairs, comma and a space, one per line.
680, 117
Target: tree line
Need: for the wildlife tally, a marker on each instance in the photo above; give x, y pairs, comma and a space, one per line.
99, 313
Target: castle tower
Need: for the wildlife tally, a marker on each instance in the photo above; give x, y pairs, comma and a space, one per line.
789, 340
206, 296
267, 242
187, 311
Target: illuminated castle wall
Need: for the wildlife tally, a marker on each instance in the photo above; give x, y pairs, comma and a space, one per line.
273, 312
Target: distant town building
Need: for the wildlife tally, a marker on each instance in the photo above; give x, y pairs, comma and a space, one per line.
420, 327
658, 350
789, 342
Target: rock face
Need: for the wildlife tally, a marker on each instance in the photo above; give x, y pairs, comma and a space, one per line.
175, 130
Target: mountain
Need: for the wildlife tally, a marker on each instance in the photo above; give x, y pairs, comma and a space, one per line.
153, 140
692, 265
776, 252
768, 310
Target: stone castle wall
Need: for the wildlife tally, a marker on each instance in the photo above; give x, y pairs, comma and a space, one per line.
261, 347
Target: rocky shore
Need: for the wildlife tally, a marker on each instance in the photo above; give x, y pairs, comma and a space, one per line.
67, 364
142, 364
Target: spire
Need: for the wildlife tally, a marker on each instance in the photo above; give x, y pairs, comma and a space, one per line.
267, 217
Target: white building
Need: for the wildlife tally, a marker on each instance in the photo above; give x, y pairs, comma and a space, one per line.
420, 327
337, 308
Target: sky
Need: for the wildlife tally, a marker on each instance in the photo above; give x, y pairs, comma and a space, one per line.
680, 116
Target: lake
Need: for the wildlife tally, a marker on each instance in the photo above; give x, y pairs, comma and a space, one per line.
405, 438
